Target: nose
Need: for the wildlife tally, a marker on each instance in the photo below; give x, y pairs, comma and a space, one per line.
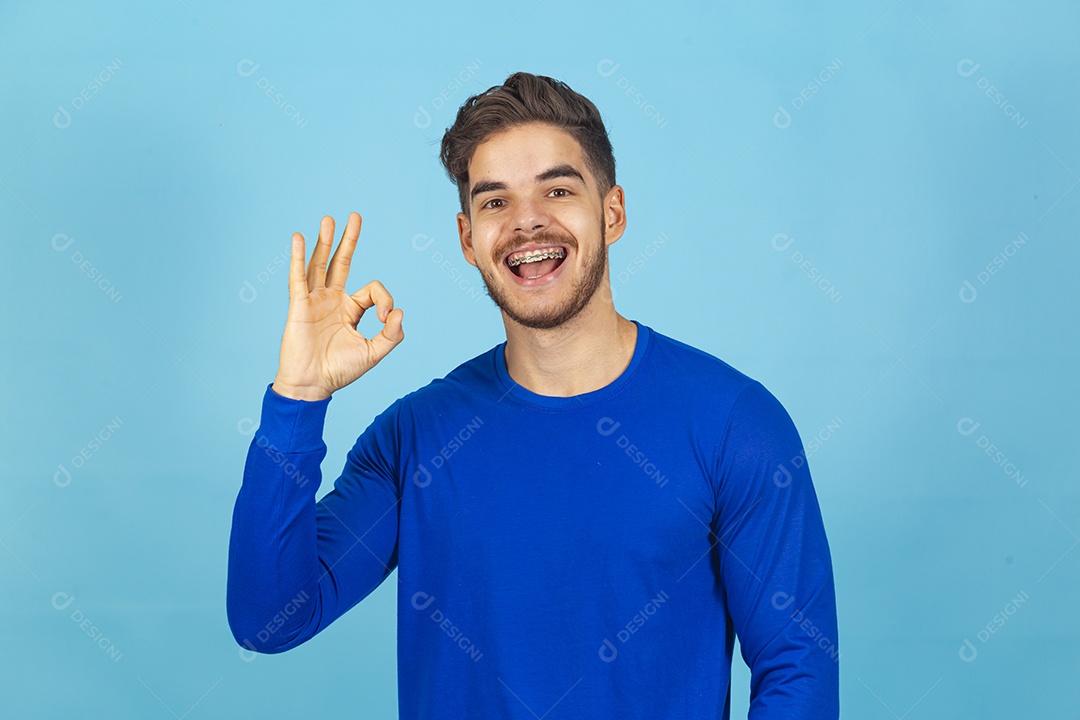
530, 216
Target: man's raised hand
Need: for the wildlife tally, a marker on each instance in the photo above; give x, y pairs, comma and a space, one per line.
321, 350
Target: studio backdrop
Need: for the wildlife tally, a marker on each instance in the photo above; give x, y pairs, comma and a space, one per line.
871, 208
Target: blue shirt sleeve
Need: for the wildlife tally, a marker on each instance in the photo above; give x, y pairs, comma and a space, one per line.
295, 565
775, 563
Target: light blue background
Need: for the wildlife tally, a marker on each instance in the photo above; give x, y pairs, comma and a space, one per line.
146, 237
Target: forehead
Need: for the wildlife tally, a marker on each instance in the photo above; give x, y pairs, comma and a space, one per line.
514, 155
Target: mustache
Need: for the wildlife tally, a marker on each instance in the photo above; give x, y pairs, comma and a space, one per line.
549, 237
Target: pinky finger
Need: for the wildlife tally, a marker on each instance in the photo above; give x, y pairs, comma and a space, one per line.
297, 282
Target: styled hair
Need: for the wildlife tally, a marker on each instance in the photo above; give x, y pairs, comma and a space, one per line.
525, 98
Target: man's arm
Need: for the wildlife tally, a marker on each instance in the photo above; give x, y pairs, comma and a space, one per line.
295, 565
775, 563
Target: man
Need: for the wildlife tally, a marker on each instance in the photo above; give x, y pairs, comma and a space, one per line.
583, 516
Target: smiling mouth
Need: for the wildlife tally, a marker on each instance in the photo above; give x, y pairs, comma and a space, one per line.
532, 264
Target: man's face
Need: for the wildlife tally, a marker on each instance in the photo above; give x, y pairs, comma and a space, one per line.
530, 187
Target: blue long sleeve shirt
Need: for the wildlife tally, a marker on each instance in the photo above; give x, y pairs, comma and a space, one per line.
590, 556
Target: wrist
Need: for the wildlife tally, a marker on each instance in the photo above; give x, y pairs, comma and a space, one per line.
295, 392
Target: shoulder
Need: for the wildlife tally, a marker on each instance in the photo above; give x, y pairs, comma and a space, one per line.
701, 377
465, 382
692, 373
438, 404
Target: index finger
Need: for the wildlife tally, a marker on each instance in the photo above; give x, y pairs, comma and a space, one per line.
339, 264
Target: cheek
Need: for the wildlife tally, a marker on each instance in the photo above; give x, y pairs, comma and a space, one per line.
484, 240
583, 224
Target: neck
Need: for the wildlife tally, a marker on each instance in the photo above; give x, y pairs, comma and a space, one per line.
585, 354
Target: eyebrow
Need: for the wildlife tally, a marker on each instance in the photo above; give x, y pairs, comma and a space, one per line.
564, 170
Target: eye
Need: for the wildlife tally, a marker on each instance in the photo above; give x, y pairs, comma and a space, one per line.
563, 190
489, 202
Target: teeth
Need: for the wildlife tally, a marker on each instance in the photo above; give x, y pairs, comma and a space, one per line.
537, 256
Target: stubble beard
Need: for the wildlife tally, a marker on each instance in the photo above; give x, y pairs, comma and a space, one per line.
593, 273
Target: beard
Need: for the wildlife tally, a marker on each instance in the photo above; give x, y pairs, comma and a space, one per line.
593, 272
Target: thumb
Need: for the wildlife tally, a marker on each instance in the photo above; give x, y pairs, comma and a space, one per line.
392, 333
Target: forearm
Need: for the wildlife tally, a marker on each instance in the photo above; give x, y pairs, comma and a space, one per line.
273, 575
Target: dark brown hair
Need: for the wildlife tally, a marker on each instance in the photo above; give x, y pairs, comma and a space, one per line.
525, 98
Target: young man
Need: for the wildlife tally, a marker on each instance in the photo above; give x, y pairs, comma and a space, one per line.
583, 516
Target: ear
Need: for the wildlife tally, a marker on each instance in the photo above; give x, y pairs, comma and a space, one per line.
614, 214
464, 228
